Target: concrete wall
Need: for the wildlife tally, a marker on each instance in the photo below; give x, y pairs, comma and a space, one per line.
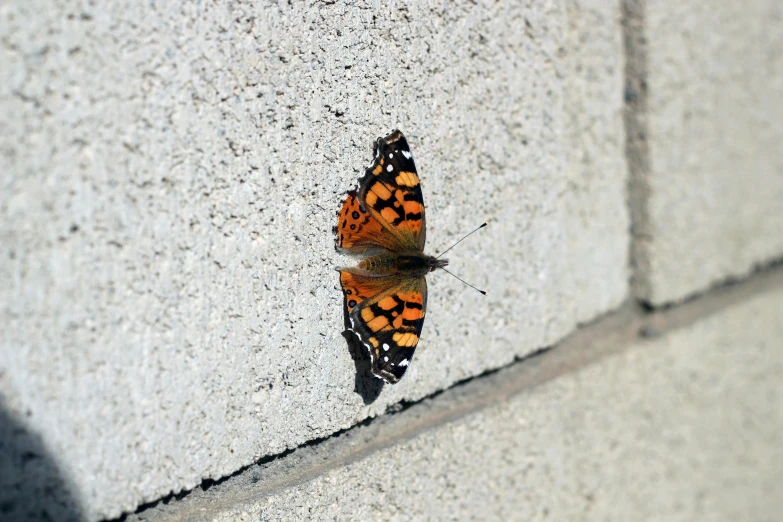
705, 84
170, 177
684, 426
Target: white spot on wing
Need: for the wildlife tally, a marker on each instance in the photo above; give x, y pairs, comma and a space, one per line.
390, 168
391, 155
385, 347
385, 359
403, 362
407, 154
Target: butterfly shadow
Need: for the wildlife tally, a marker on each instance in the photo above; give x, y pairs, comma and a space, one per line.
366, 385
34, 483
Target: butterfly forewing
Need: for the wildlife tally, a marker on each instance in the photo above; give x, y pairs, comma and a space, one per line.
391, 192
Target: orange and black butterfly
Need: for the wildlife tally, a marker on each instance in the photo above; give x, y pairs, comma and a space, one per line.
386, 294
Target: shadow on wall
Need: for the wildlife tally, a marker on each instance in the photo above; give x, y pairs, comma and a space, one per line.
366, 385
32, 486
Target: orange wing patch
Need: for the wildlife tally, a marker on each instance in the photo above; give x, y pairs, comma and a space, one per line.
358, 287
358, 230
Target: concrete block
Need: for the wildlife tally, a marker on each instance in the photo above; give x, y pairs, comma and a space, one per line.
170, 178
683, 427
708, 162
596, 198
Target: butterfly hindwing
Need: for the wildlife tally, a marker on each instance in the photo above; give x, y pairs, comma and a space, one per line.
386, 315
359, 285
391, 193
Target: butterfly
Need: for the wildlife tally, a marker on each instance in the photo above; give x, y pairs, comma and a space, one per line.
386, 294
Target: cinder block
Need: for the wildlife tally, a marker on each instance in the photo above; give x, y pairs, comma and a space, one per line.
170, 178
596, 207
707, 160
683, 427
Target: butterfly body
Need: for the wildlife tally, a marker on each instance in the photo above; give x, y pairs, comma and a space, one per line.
407, 264
386, 294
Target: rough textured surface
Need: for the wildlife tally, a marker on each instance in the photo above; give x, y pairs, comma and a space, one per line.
684, 427
711, 182
595, 200
170, 174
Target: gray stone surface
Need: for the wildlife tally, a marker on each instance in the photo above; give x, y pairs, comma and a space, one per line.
595, 202
170, 175
710, 191
679, 428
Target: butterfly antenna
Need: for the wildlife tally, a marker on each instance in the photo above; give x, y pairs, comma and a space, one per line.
457, 243
482, 292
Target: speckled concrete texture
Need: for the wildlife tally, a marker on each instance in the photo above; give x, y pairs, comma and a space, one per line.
679, 428
170, 175
595, 201
708, 158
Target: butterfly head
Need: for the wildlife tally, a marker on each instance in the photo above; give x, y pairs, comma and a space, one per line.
433, 263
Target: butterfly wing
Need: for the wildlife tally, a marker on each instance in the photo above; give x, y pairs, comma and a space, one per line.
386, 315
391, 193
358, 232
